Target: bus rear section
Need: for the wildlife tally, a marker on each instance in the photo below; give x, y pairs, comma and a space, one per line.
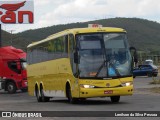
94, 62
13, 69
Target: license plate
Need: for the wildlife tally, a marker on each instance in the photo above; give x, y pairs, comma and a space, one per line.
108, 92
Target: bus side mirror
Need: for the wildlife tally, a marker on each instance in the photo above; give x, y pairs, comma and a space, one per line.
134, 55
76, 58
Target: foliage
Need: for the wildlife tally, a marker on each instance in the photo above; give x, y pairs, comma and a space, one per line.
155, 81
142, 34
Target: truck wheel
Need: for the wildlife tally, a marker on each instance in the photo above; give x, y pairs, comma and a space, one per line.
115, 99
11, 87
39, 98
69, 95
44, 99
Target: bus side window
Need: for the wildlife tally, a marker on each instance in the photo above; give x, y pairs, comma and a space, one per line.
66, 44
71, 52
29, 56
71, 43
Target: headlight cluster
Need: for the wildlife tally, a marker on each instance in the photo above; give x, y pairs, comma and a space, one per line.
86, 86
127, 84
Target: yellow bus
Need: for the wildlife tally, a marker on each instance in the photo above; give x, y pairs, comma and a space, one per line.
81, 63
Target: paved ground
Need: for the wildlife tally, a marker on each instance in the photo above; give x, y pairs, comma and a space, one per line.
142, 100
144, 82
142, 85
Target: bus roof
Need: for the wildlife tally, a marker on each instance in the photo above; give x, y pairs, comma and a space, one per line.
78, 31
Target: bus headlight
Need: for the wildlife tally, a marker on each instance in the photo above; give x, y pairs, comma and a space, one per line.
127, 84
86, 86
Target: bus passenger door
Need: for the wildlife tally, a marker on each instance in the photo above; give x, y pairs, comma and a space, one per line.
73, 78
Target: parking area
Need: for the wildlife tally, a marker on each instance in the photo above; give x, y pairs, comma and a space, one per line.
142, 100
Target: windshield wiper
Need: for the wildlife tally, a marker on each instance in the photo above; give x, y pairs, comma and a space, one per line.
109, 63
114, 67
100, 68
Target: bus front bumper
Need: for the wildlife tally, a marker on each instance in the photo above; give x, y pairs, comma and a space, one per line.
106, 92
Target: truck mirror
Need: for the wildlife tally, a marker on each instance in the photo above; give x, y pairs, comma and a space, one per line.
76, 58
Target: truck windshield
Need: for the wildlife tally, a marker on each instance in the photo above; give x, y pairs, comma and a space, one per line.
103, 55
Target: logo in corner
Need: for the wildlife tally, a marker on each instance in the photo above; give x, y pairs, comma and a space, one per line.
12, 7
10, 12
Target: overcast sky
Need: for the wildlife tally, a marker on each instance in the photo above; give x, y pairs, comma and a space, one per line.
53, 12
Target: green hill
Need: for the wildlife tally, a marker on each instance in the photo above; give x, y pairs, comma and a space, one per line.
142, 34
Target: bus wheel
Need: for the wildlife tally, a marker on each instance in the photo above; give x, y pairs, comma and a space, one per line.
11, 87
69, 95
44, 99
115, 99
39, 99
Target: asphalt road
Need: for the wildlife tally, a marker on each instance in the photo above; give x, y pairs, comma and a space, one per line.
142, 100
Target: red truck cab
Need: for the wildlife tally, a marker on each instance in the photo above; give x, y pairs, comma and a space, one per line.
13, 74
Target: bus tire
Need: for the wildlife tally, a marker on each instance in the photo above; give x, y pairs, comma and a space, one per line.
44, 99
69, 95
115, 99
39, 98
11, 87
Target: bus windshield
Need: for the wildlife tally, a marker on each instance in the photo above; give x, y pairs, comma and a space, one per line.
103, 55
